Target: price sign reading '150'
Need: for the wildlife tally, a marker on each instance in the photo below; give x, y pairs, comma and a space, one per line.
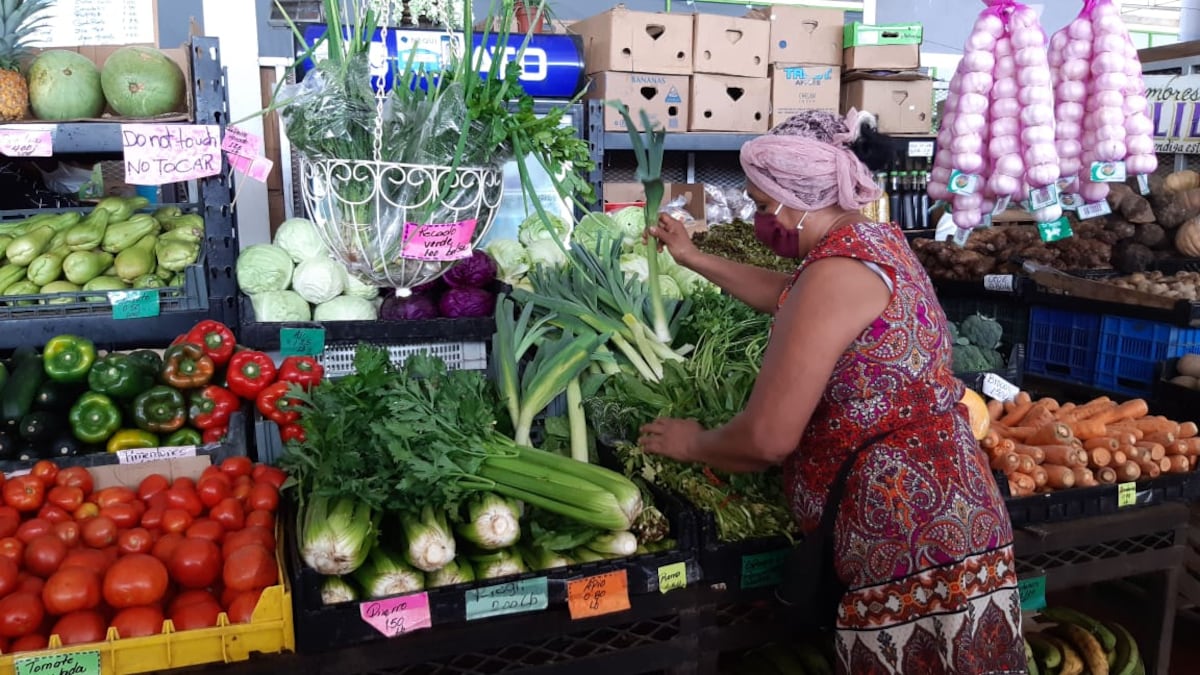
157, 154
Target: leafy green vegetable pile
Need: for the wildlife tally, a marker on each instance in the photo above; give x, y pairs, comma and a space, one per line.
736, 241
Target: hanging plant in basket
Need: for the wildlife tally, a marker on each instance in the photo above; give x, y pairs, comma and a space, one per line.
402, 168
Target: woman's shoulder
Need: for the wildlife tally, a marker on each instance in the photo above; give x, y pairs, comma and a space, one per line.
866, 240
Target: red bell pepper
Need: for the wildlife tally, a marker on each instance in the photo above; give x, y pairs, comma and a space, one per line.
215, 338
212, 406
249, 373
278, 405
292, 432
214, 435
301, 370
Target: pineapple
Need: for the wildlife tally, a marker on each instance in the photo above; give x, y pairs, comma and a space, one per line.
19, 20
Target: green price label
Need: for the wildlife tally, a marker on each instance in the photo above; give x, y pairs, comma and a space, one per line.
672, 577
763, 569
74, 663
1033, 593
302, 341
140, 304
1056, 230
517, 597
1126, 494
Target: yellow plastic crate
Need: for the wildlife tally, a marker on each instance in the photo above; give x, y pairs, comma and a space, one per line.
270, 631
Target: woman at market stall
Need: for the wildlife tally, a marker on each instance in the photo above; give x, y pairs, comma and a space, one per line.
856, 388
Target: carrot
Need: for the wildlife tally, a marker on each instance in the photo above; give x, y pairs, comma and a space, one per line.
1192, 459
1005, 445
1164, 464
1018, 411
1155, 451
1039, 476
1177, 448
1129, 471
990, 440
1025, 464
1106, 475
1007, 463
1118, 458
1059, 477
1133, 452
1193, 445
1084, 477
1015, 433
1088, 429
1122, 437
1023, 481
995, 409
1150, 469
1038, 415
1160, 437
1106, 442
1051, 404
1064, 410
1126, 429
1188, 430
1098, 457
1051, 434
1033, 451
1129, 410
1023, 397
1091, 408
1149, 425
1178, 464
1064, 455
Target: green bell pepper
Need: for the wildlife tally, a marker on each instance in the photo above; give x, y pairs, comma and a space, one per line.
121, 376
182, 438
94, 418
160, 409
131, 439
148, 358
68, 358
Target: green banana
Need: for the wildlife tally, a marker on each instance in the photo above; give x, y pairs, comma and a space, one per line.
89, 232
1047, 654
1127, 654
121, 236
1031, 663
1107, 640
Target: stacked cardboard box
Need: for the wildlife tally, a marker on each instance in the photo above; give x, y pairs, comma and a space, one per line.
805, 58
882, 76
730, 89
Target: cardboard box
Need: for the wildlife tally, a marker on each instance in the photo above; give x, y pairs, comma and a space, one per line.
663, 97
802, 87
903, 102
803, 34
889, 47
622, 195
727, 103
636, 42
728, 45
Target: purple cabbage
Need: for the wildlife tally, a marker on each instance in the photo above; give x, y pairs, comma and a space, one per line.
467, 303
413, 308
475, 272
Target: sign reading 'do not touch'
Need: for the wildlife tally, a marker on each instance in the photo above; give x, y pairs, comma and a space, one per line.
157, 154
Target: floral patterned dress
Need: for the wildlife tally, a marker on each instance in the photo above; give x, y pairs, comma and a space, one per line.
922, 538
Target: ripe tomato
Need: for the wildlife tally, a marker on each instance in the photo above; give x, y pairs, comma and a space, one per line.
75, 476
184, 483
44, 555
210, 470
242, 486
186, 500
33, 642
12, 550
134, 580
251, 567
176, 520
165, 546
20, 614
117, 494
79, 628
65, 497
68, 532
53, 514
24, 493
88, 510
9, 522
152, 518
9, 576
241, 609
124, 515
262, 497
99, 532
33, 528
237, 466
206, 528
137, 540
264, 519
134, 622
152, 485
264, 473
71, 589
212, 489
88, 558
45, 471
194, 609
195, 563
157, 501
28, 583
229, 514
251, 535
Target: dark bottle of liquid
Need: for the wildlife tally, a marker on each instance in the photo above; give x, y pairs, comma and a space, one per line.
923, 200
910, 200
895, 199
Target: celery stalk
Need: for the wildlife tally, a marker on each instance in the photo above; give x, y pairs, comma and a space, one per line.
430, 544
578, 422
493, 522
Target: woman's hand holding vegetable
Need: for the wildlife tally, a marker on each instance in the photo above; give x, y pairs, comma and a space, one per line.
671, 438
673, 235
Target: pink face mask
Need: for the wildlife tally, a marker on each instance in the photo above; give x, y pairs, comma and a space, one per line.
784, 241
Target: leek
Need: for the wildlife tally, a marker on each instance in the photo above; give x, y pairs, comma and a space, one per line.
540, 558
386, 574
497, 564
335, 590
456, 572
584, 554
493, 522
430, 543
577, 420
336, 534
619, 544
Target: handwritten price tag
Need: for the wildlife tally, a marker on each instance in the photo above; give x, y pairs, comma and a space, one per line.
999, 388
398, 616
763, 569
139, 304
27, 140
156, 154
517, 597
258, 168
1058, 229
442, 242
598, 595
302, 341
74, 663
143, 455
1033, 593
1126, 495
672, 577
998, 283
241, 142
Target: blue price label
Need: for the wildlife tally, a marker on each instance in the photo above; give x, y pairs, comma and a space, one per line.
302, 341
763, 569
1033, 593
139, 304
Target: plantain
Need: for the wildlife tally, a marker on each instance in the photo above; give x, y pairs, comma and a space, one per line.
784, 660
1031, 663
1066, 615
813, 660
1045, 651
1086, 644
1071, 663
1127, 654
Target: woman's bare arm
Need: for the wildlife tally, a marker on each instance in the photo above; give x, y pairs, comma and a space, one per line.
755, 286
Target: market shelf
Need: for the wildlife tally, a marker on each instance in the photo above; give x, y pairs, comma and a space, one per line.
692, 141
87, 137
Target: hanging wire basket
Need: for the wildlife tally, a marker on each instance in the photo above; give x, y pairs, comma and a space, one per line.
399, 225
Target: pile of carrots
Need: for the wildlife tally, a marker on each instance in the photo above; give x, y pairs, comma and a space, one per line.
1043, 446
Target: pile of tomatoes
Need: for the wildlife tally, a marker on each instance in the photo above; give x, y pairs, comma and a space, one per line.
75, 561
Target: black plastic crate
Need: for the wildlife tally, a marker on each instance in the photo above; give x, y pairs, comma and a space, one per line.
1010, 311
1014, 371
322, 627
1183, 313
1076, 503
1171, 400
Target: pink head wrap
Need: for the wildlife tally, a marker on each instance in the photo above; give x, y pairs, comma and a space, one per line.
806, 163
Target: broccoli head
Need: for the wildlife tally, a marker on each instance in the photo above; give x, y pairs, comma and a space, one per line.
969, 359
981, 331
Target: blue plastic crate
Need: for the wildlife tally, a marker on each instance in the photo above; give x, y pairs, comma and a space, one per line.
1130, 349
1062, 345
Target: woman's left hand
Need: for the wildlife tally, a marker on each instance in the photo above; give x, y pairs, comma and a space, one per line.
672, 438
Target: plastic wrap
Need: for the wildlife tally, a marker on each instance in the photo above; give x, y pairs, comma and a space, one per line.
677, 209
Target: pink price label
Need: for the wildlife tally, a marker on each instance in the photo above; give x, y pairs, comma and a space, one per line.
257, 168
241, 143
158, 154
27, 140
442, 242
398, 616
